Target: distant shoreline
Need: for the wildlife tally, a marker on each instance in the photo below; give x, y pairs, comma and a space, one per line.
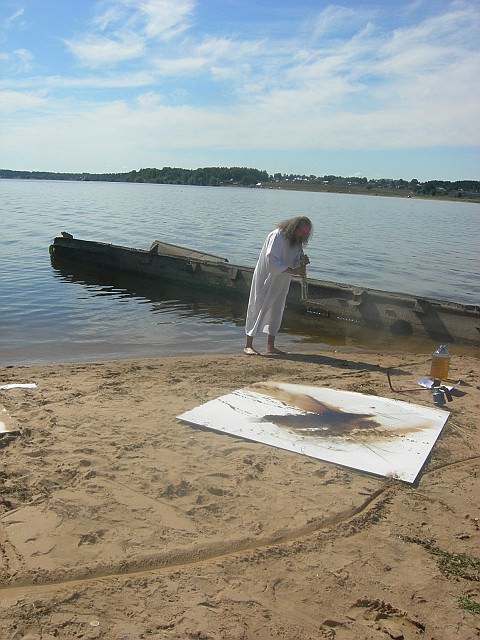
385, 192
458, 191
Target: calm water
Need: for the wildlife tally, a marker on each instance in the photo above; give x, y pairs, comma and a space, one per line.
397, 244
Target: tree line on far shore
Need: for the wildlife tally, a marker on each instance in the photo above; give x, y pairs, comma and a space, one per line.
248, 177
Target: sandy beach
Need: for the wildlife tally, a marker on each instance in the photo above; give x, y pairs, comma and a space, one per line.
119, 521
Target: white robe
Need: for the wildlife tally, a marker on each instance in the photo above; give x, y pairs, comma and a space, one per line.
270, 284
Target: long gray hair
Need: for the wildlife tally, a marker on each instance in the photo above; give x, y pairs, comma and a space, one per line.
289, 227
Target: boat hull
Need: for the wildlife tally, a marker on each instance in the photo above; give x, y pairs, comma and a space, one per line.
398, 313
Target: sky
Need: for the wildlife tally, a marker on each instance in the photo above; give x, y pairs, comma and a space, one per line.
370, 88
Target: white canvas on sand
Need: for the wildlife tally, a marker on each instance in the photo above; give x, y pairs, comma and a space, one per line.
379, 435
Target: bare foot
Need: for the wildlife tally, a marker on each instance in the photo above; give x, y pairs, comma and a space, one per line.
250, 351
275, 352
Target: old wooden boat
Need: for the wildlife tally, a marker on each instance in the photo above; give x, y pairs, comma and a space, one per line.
397, 313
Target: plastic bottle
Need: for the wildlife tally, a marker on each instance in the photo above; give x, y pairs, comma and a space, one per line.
440, 363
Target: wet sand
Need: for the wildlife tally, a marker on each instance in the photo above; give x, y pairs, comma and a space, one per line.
119, 521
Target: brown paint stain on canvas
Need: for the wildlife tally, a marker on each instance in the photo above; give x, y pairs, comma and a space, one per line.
321, 419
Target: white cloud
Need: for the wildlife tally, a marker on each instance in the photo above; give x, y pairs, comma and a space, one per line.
150, 18
16, 101
18, 61
164, 20
97, 51
23, 60
13, 20
125, 28
337, 21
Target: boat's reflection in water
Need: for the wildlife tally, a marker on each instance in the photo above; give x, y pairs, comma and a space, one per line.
162, 296
172, 301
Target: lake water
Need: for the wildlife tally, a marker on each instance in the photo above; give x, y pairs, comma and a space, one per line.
414, 246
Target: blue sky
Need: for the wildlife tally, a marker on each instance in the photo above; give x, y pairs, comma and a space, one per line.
372, 88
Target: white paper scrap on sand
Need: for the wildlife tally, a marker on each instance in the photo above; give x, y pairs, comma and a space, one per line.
378, 435
19, 385
6, 422
427, 383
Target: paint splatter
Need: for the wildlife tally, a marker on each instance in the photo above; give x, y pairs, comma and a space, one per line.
319, 419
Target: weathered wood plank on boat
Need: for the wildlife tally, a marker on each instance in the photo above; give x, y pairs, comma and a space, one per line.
398, 313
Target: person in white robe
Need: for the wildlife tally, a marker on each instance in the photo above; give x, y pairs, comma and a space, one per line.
281, 258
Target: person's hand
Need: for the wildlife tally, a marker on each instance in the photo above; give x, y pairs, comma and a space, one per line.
306, 259
296, 271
